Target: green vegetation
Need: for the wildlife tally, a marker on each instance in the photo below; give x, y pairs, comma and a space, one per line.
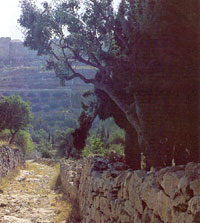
22, 140
144, 55
105, 139
95, 146
15, 114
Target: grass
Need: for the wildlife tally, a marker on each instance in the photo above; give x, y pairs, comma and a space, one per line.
6, 143
55, 182
8, 178
3, 142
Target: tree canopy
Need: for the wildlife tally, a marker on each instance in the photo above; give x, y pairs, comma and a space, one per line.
141, 53
15, 114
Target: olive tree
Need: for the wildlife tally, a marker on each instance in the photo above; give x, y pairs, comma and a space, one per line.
15, 114
144, 55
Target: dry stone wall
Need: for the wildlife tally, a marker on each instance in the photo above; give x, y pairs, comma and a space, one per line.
9, 159
110, 192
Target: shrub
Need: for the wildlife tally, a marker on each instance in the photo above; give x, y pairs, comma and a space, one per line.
117, 136
39, 135
15, 114
94, 146
64, 144
45, 148
24, 141
5, 135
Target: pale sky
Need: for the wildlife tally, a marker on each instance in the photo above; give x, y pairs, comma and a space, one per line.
9, 14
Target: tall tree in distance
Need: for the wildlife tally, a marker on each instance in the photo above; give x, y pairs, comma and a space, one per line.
146, 58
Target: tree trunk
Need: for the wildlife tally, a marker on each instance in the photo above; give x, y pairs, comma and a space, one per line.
132, 150
13, 134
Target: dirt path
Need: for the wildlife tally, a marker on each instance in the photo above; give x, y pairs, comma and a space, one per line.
29, 197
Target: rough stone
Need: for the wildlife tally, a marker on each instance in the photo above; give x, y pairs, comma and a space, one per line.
169, 195
10, 159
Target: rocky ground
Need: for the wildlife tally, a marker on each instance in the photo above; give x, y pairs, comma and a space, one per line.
30, 198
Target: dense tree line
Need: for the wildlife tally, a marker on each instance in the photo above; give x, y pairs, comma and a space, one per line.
146, 57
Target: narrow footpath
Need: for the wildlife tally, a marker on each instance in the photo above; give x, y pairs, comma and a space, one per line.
30, 197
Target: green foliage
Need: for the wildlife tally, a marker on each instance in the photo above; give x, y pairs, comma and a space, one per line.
118, 148
45, 148
117, 136
145, 48
94, 146
15, 114
5, 135
39, 135
24, 141
44, 142
64, 143
105, 138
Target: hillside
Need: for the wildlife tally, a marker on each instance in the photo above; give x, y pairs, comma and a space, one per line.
22, 72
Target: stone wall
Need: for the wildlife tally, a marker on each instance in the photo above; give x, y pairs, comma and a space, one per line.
109, 192
9, 159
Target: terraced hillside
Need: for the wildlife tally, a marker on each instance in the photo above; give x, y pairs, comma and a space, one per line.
42, 88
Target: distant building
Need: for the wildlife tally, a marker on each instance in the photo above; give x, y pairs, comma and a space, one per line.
13, 52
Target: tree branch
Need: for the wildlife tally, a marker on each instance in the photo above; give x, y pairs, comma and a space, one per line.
81, 59
78, 75
129, 110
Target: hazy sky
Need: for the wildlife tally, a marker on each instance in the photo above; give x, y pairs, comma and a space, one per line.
9, 14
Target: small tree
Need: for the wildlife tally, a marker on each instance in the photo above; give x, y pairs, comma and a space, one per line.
15, 114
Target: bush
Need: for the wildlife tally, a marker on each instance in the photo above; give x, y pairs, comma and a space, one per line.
103, 145
24, 141
45, 148
94, 146
39, 135
15, 114
117, 136
5, 135
64, 144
